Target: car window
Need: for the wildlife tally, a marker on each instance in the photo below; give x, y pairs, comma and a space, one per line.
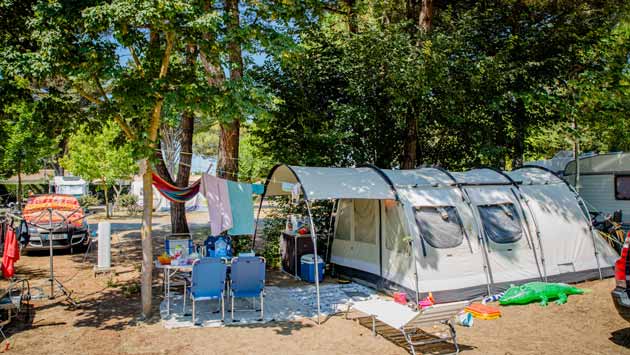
501, 223
440, 227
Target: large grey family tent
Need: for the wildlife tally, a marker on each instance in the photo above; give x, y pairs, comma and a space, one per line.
604, 182
458, 235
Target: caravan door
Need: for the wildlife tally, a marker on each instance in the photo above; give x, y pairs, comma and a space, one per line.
356, 242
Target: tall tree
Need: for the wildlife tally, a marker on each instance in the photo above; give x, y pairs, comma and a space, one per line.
100, 156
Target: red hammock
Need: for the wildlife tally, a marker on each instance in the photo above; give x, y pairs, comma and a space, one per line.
174, 193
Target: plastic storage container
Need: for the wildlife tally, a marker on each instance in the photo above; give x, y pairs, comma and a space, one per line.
307, 268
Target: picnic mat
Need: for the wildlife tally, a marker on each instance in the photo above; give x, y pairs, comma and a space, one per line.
281, 304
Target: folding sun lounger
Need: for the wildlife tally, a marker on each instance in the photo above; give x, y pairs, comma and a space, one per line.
408, 321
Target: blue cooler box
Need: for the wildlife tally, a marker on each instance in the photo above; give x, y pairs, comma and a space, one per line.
307, 268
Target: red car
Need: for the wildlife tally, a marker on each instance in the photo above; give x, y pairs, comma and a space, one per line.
70, 229
621, 293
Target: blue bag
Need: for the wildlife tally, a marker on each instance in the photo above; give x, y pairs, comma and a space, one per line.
219, 246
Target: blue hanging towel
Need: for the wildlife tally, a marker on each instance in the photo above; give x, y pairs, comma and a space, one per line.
242, 208
258, 189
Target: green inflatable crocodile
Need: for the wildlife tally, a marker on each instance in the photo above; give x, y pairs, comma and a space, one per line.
538, 291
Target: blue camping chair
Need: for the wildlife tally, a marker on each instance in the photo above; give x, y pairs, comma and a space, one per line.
208, 282
248, 280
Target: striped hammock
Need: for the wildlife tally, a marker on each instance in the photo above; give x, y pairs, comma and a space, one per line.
174, 193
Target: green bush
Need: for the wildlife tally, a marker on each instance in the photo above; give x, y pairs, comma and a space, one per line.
88, 201
128, 202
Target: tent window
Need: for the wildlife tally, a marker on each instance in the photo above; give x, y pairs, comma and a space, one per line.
501, 223
344, 220
393, 228
622, 187
365, 221
441, 227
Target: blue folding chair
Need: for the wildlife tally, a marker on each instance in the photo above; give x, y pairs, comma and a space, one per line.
247, 280
208, 282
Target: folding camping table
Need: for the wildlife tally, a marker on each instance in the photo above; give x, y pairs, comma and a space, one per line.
169, 271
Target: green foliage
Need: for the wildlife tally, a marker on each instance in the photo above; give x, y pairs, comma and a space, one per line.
484, 87
87, 201
96, 155
25, 144
128, 202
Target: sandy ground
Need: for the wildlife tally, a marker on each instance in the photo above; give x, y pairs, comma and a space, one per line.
108, 320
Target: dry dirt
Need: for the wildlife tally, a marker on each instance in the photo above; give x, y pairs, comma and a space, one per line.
108, 320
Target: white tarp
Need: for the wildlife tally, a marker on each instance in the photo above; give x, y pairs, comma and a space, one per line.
330, 183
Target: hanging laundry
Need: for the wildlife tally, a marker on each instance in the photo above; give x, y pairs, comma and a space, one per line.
258, 189
215, 190
242, 208
174, 193
11, 253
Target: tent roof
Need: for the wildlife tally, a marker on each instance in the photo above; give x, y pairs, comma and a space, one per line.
534, 175
419, 177
330, 183
601, 163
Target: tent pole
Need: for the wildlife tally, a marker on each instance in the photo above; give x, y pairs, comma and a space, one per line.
481, 236
412, 245
525, 200
330, 227
262, 197
590, 229
314, 237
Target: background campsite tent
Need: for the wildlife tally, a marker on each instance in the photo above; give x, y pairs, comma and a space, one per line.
604, 182
459, 235
136, 189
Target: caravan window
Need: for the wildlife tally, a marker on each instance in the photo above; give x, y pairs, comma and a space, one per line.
366, 221
622, 187
501, 223
441, 227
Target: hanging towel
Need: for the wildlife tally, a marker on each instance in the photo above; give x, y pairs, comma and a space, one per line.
215, 191
242, 208
11, 253
258, 189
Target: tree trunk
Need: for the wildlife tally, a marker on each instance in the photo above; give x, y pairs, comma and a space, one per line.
106, 191
19, 187
426, 16
179, 224
146, 278
410, 144
410, 147
227, 166
353, 23
518, 149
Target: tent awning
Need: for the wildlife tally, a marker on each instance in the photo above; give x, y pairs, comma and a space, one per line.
330, 183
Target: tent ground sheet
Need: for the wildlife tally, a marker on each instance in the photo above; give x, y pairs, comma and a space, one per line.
281, 304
